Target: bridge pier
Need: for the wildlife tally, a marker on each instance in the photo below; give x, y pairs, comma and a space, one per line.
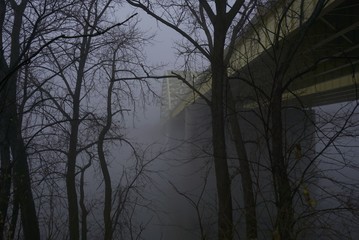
191, 192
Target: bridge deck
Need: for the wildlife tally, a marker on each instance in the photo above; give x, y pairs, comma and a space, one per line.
323, 72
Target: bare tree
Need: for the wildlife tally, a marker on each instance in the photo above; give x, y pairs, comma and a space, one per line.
83, 74
117, 61
21, 24
278, 46
211, 30
273, 61
45, 120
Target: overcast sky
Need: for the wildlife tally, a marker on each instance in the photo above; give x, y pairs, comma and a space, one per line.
162, 51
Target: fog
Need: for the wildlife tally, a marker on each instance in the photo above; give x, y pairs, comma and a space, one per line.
183, 188
90, 149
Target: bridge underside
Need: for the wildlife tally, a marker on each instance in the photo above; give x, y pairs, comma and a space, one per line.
323, 71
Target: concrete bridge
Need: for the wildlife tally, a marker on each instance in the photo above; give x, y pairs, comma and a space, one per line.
323, 72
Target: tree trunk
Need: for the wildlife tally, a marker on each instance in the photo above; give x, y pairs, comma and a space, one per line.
5, 183
14, 217
11, 127
73, 208
5, 171
225, 218
100, 150
71, 183
285, 218
245, 172
22, 184
108, 191
84, 211
22, 180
